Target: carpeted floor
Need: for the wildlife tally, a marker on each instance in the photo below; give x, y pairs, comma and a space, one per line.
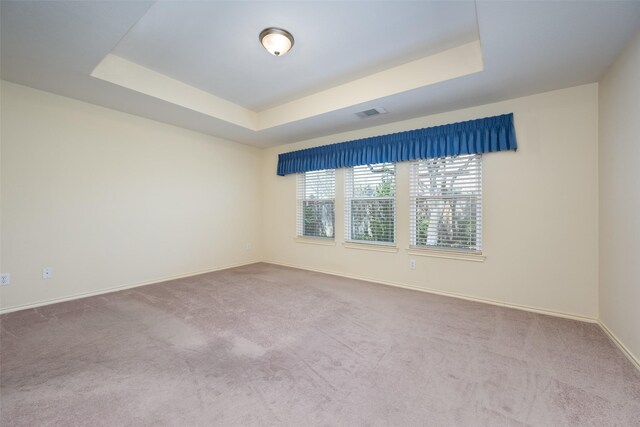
266, 345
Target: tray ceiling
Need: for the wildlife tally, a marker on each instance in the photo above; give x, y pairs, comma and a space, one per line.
199, 65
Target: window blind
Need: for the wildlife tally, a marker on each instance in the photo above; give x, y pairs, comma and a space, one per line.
370, 203
446, 203
316, 203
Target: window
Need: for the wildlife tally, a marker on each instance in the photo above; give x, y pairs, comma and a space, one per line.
370, 205
316, 203
446, 203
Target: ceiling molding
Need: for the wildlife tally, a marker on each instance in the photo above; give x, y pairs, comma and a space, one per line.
132, 76
449, 64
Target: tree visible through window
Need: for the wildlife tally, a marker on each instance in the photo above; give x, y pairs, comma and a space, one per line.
446, 203
370, 203
316, 203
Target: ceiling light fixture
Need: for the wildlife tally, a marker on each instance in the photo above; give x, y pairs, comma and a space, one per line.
276, 40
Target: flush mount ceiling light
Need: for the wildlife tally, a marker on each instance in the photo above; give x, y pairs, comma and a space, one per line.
276, 40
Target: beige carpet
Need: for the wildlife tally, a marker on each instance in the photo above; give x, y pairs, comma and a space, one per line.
266, 345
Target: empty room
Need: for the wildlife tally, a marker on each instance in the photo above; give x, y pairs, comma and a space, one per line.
319, 213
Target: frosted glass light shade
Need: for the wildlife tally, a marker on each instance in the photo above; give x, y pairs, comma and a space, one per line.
276, 40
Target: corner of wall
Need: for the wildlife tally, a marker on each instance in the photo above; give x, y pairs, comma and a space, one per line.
618, 128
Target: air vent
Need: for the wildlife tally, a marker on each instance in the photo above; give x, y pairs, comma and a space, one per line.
372, 112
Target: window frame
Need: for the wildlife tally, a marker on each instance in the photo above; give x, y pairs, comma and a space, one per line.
302, 199
349, 198
475, 250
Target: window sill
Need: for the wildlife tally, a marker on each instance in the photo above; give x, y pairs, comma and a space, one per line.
370, 247
322, 241
437, 253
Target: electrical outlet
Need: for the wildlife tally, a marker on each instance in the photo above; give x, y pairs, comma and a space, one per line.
5, 279
47, 273
412, 264
248, 246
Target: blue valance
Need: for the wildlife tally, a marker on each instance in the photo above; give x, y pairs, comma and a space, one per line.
472, 137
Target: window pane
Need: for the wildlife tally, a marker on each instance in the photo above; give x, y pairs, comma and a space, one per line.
454, 223
318, 218
320, 184
373, 220
373, 180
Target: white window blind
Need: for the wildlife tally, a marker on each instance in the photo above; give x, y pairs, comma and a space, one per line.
316, 203
370, 205
446, 203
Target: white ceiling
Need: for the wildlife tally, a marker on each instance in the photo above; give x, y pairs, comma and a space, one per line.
212, 49
335, 42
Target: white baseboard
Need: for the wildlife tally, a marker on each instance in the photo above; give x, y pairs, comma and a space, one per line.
120, 288
333, 273
619, 344
445, 293
604, 327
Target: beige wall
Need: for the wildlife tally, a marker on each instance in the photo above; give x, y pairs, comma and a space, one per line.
619, 157
108, 199
540, 212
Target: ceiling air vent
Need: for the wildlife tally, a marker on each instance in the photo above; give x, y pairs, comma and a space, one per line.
372, 112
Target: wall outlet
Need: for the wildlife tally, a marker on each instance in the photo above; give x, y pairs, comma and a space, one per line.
47, 273
248, 246
412, 264
5, 279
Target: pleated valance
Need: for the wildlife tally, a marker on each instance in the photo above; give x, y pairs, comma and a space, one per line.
471, 137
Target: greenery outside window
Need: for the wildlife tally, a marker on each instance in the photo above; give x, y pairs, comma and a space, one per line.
316, 204
370, 204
